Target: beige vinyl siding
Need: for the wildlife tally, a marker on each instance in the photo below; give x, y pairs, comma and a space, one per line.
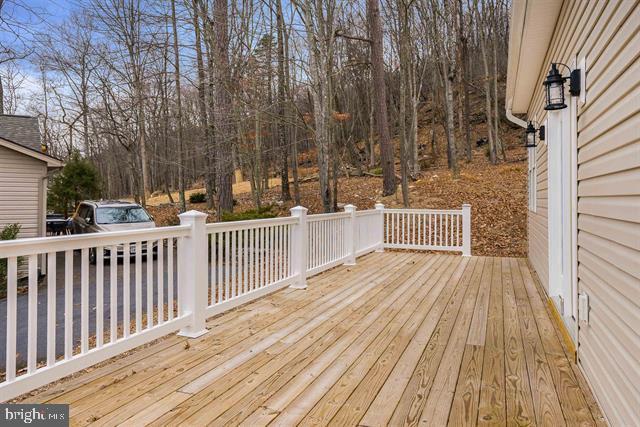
607, 34
21, 191
538, 230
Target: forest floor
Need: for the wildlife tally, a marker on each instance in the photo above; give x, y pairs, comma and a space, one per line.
497, 194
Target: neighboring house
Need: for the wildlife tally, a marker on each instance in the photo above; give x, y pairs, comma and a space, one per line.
584, 181
23, 175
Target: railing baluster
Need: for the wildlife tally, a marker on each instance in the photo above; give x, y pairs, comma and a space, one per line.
252, 268
149, 259
32, 336
233, 264
170, 278
99, 296
272, 253
68, 304
12, 314
160, 265
138, 286
446, 229
113, 279
413, 228
278, 256
260, 257
396, 228
316, 245
219, 266
51, 308
227, 266
325, 235
84, 300
212, 271
126, 290
245, 269
289, 238
331, 240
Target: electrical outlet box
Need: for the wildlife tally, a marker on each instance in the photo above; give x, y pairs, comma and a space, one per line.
583, 308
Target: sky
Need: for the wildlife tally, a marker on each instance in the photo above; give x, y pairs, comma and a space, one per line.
28, 17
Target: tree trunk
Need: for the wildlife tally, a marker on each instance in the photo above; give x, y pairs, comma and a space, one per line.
285, 193
372, 127
404, 71
209, 175
413, 134
496, 109
293, 130
449, 79
319, 42
487, 90
224, 134
176, 53
377, 74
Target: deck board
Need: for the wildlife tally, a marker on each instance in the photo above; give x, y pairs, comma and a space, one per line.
398, 339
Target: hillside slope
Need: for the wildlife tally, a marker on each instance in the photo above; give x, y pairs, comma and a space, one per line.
497, 194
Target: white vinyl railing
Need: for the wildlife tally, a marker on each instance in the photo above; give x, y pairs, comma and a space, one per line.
327, 241
90, 310
429, 229
248, 259
106, 293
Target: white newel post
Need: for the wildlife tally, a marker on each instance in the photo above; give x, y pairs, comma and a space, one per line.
380, 227
351, 235
192, 278
299, 243
466, 230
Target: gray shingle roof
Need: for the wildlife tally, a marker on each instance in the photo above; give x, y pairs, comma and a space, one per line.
23, 130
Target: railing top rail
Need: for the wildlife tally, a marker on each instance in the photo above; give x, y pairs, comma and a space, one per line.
435, 211
327, 216
251, 223
367, 212
39, 245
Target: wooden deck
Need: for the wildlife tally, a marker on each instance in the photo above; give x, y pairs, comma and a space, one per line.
400, 338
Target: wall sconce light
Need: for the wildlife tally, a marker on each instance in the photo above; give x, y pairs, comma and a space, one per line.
554, 86
530, 135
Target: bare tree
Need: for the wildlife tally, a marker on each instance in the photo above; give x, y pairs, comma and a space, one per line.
176, 64
379, 88
318, 17
224, 133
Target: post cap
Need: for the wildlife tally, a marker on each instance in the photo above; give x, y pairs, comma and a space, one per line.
379, 206
349, 208
466, 205
298, 210
193, 214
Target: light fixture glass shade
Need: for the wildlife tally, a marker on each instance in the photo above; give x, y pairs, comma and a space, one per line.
530, 136
554, 86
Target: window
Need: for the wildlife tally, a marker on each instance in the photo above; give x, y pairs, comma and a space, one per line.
83, 211
122, 215
532, 178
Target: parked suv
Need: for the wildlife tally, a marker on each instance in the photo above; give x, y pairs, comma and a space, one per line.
111, 215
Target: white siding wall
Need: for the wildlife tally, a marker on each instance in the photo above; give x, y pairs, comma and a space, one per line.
21, 191
607, 34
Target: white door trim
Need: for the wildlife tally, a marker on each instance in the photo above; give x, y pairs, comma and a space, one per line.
562, 176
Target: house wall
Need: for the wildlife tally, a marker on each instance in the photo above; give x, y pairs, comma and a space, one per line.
607, 35
22, 192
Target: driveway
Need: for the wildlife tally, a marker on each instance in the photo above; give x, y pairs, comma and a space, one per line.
22, 314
